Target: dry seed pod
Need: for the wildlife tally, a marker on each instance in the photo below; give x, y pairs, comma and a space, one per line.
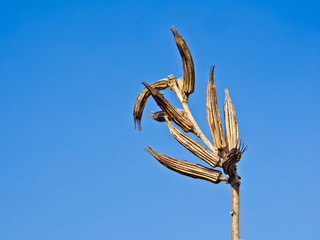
231, 125
194, 146
213, 115
161, 115
187, 63
186, 168
142, 99
172, 112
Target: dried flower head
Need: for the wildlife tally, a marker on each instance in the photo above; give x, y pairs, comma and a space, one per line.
224, 152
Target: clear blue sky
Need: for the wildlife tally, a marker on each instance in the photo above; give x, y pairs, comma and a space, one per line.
73, 167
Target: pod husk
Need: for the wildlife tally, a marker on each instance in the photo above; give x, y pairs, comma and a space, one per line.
231, 124
213, 115
187, 168
172, 112
142, 99
187, 63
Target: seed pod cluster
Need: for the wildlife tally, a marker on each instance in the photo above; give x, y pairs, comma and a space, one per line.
225, 151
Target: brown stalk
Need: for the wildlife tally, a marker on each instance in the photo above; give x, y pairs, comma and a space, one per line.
230, 167
187, 168
142, 99
235, 185
213, 115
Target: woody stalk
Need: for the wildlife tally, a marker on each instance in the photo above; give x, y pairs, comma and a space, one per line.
226, 150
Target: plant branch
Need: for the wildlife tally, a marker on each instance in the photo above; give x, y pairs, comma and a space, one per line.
184, 101
193, 146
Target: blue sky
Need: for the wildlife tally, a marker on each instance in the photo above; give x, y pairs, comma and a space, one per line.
72, 166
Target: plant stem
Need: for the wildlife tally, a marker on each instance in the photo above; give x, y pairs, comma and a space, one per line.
184, 102
197, 129
235, 184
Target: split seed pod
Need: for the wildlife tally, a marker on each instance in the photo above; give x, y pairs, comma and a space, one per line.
161, 115
142, 99
231, 125
186, 168
213, 115
187, 63
172, 112
194, 146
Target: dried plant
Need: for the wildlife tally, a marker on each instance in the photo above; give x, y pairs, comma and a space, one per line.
224, 153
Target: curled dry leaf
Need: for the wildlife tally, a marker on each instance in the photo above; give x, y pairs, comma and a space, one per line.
172, 112
194, 146
161, 115
231, 125
187, 63
142, 99
187, 168
213, 115
230, 160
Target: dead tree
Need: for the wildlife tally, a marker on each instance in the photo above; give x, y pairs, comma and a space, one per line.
226, 150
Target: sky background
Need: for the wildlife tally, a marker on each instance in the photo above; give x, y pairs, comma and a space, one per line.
72, 166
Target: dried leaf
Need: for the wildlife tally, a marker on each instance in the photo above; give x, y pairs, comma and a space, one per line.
187, 63
161, 115
231, 125
213, 115
172, 112
194, 146
187, 168
230, 160
142, 99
